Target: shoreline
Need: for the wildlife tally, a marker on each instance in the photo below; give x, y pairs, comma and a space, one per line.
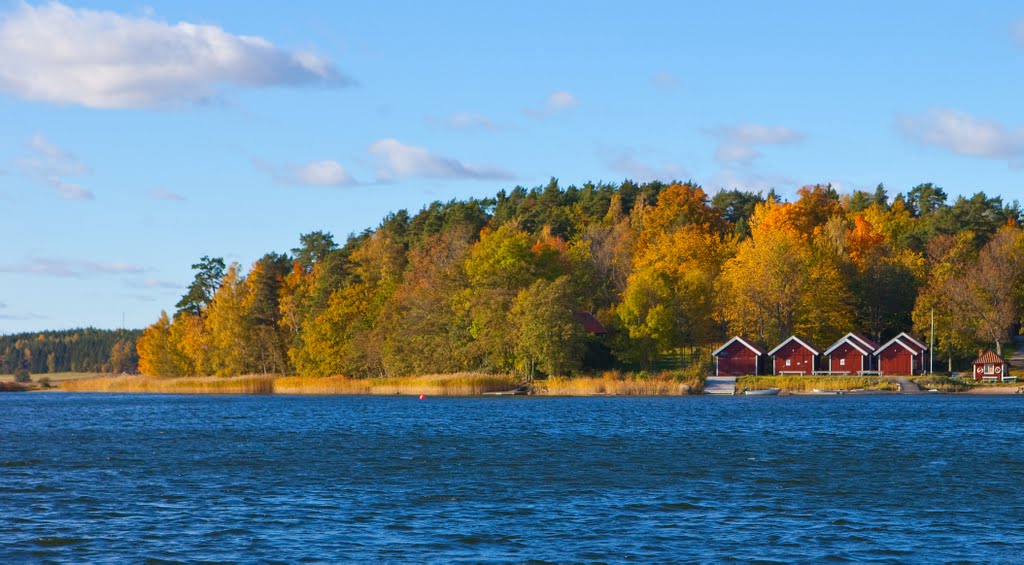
473, 385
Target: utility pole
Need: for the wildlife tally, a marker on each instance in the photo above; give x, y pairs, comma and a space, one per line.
931, 349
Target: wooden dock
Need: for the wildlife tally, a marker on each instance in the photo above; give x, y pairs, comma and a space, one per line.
720, 385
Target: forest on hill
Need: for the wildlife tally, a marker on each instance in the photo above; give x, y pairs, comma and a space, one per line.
496, 284
86, 350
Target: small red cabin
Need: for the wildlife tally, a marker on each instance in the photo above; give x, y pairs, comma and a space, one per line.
852, 354
990, 367
794, 356
738, 357
902, 355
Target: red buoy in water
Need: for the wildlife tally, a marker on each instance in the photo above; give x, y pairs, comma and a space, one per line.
423, 397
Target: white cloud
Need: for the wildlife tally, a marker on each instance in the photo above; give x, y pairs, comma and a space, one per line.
759, 134
728, 179
466, 121
561, 100
963, 134
161, 194
557, 101
627, 163
150, 282
739, 141
401, 160
323, 173
49, 164
736, 152
69, 268
102, 59
327, 172
665, 80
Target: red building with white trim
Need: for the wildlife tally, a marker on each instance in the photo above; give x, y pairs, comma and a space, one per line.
902, 355
795, 357
852, 354
990, 367
739, 357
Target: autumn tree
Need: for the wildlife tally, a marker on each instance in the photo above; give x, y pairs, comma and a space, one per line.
994, 283
209, 272
157, 355
547, 335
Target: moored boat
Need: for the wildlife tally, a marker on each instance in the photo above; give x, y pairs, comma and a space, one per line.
763, 392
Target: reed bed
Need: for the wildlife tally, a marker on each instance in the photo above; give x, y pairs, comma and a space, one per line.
10, 386
457, 384
619, 384
797, 383
246, 384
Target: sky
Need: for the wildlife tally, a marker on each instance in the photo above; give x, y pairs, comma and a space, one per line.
138, 137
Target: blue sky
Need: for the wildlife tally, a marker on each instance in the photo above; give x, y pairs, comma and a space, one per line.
138, 137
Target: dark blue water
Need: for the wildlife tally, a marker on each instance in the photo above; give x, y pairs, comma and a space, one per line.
129, 478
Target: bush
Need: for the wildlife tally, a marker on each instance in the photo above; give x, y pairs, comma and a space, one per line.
44, 382
22, 376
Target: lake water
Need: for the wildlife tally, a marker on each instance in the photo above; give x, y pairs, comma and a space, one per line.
232, 478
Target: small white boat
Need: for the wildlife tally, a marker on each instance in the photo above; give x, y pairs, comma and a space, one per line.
764, 392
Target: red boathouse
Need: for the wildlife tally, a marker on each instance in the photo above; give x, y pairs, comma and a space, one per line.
794, 357
738, 357
852, 354
902, 355
991, 367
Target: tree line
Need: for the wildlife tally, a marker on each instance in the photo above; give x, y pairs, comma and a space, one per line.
495, 284
85, 350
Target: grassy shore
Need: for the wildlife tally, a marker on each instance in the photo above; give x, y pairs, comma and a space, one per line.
459, 384
804, 384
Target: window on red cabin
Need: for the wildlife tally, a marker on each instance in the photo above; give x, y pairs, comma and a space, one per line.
990, 369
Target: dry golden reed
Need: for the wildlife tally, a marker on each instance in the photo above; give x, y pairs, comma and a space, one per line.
459, 384
797, 383
618, 384
247, 384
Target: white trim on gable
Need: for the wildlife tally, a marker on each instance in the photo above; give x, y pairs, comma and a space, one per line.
914, 340
798, 340
742, 341
852, 340
897, 339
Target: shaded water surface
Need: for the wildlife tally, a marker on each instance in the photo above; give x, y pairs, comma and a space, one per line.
124, 477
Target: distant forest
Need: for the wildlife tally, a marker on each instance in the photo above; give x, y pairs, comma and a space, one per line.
497, 284
85, 350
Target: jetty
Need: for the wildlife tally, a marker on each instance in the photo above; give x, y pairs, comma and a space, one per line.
720, 385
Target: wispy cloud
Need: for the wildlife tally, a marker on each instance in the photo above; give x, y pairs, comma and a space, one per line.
665, 80
465, 121
69, 268
21, 317
1017, 31
102, 59
401, 160
728, 179
49, 165
558, 101
739, 143
626, 162
964, 134
161, 194
151, 282
327, 172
